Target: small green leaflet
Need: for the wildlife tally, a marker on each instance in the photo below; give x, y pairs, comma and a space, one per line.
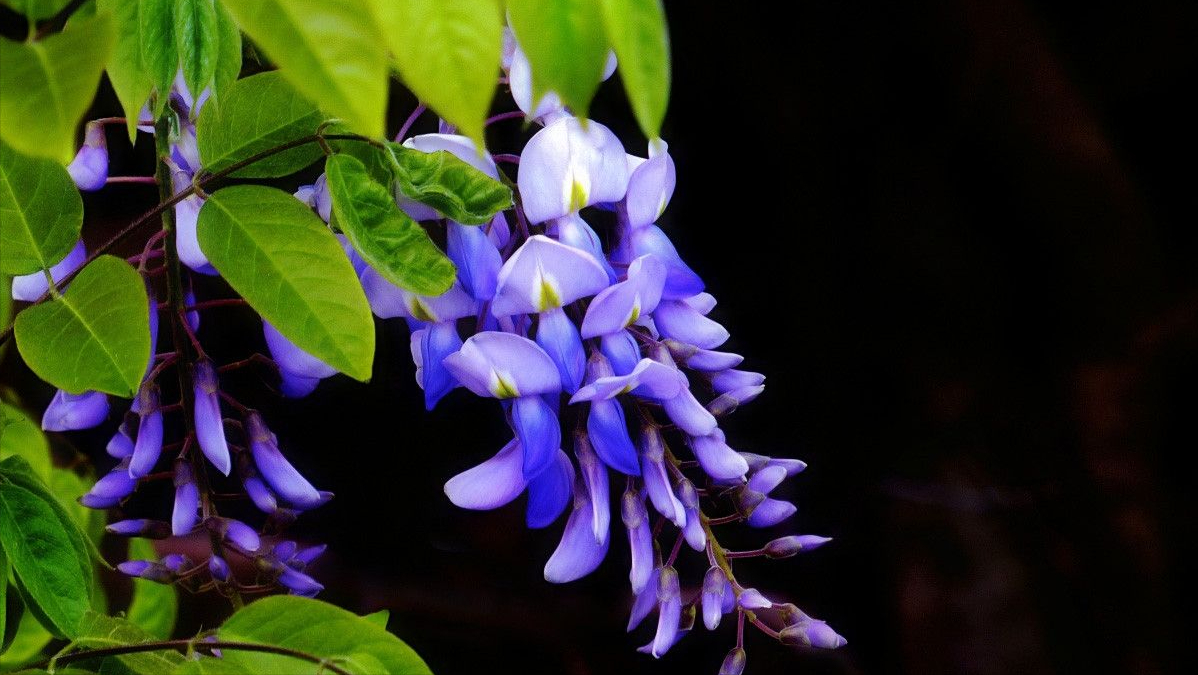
258, 113
448, 53
57, 79
459, 191
228, 58
391, 242
41, 212
637, 30
155, 606
566, 47
129, 79
159, 51
287, 264
197, 41
95, 336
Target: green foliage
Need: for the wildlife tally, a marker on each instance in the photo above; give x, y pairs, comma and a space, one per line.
316, 628
391, 242
258, 113
459, 191
37, 9
286, 263
228, 57
197, 41
21, 436
637, 31
565, 45
28, 641
97, 631
155, 606
41, 212
448, 52
101, 322
57, 78
5, 309
159, 51
129, 79
49, 557
330, 50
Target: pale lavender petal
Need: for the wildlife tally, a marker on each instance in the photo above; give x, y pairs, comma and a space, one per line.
459, 146
71, 412
623, 304
768, 478
572, 230
717, 459
89, 169
579, 553
549, 492
503, 365
543, 274
491, 484
681, 280
678, 320
712, 597
209, 423
30, 287
650, 378
244, 536
731, 380
640, 539
770, 512
759, 462
120, 445
702, 303
657, 479
690, 416
567, 166
388, 300
751, 598
710, 361
187, 243
520, 82
293, 359
650, 186
812, 633
695, 536
558, 336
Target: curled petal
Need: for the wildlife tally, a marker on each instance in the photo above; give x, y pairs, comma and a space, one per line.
650, 186
567, 166
608, 432
491, 484
678, 320
770, 512
30, 287
476, 257
558, 336
690, 415
717, 459
579, 552
623, 304
121, 444
70, 412
543, 274
282, 477
437, 341
549, 492
538, 431
503, 365
388, 300
649, 378
681, 280
291, 358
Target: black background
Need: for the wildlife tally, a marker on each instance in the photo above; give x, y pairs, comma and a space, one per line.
959, 239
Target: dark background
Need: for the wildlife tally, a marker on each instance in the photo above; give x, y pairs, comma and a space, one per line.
959, 239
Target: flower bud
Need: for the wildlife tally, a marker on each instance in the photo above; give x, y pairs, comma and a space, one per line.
734, 663
121, 444
175, 562
187, 500
218, 568
784, 547
812, 633
210, 426
148, 446
89, 169
140, 527
146, 569
751, 598
715, 582
71, 412
238, 533
299, 583
276, 470
110, 489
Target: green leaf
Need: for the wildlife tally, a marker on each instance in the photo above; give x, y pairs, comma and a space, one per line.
4, 569
565, 45
207, 665
459, 191
68, 487
316, 628
5, 309
97, 631
197, 41
95, 336
19, 472
21, 436
389, 241
37, 9
41, 212
330, 50
129, 78
159, 50
155, 606
37, 537
286, 263
27, 644
637, 31
56, 79
228, 56
379, 618
258, 113
448, 53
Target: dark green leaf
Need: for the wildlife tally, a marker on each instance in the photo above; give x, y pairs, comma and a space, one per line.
97, 631
18, 472
228, 56
286, 263
637, 31
388, 240
459, 191
316, 628
37, 9
159, 51
95, 336
448, 52
331, 51
129, 78
197, 42
207, 665
41, 212
258, 113
5, 309
565, 45
155, 606
3, 599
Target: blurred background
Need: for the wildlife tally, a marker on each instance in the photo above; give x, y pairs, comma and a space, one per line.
959, 239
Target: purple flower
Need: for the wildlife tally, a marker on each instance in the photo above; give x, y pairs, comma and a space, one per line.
298, 582
569, 165
149, 431
696, 537
184, 516
621, 305
146, 569
734, 662
218, 568
640, 539
544, 274
645, 601
300, 371
257, 490
751, 598
120, 445
717, 459
139, 527
238, 533
812, 633
650, 185
549, 492
110, 489
70, 412
784, 547
209, 423
657, 479
275, 469
30, 287
621, 350
491, 484
89, 169
678, 320
669, 611
714, 597
474, 254
580, 550
681, 280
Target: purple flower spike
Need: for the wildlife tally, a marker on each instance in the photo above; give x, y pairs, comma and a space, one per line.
292, 359
299, 583
146, 569
539, 431
715, 582
240, 534
678, 320
669, 607
185, 514
30, 287
717, 459
567, 166
149, 432
734, 663
640, 539
812, 633
623, 304
110, 489
278, 473
770, 512
477, 259
503, 365
579, 553
549, 493
219, 569
543, 274
210, 427
657, 479
491, 484
751, 598
71, 412
558, 336
121, 445
89, 169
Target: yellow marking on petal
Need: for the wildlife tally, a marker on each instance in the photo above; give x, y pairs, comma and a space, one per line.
420, 311
578, 195
634, 314
503, 386
627, 388
547, 296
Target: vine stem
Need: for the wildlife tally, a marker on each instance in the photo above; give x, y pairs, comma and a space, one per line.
187, 645
195, 188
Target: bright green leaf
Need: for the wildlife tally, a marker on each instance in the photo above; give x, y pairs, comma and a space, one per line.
330, 50
448, 52
207, 665
197, 41
286, 263
159, 51
388, 240
316, 628
95, 336
3, 596
379, 618
637, 31
459, 191
155, 606
68, 487
5, 309
38, 540
27, 644
129, 78
228, 56
56, 79
37, 9
97, 631
258, 113
21, 436
565, 45
41, 212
